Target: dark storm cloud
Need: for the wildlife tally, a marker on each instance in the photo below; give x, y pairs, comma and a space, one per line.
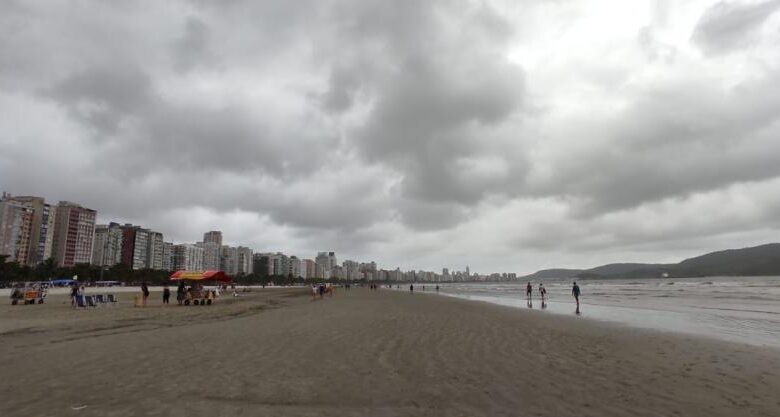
728, 25
103, 97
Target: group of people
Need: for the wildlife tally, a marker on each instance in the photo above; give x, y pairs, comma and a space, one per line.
411, 288
75, 291
575, 292
182, 293
319, 291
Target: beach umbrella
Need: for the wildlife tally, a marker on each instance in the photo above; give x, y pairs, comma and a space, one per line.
200, 276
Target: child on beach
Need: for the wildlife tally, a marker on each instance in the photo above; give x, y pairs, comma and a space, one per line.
166, 294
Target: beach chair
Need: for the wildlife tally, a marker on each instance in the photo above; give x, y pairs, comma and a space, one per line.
79, 302
100, 300
111, 299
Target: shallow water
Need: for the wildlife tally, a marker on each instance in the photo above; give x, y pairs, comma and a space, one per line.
740, 309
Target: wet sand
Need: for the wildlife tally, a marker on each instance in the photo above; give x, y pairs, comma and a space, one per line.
381, 353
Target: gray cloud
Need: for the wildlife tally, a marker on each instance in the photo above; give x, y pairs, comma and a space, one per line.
193, 47
728, 25
412, 132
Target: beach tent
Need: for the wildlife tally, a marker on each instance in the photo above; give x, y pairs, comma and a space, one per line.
200, 276
62, 281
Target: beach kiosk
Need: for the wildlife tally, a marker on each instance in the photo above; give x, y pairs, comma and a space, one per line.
196, 294
29, 293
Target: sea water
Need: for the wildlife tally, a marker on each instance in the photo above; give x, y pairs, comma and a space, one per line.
740, 309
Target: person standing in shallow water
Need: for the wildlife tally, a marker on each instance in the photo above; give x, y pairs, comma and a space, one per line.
411, 287
529, 290
166, 294
575, 291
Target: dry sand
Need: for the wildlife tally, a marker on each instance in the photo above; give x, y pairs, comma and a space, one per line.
363, 353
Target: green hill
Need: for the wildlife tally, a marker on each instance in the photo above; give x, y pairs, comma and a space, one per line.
753, 261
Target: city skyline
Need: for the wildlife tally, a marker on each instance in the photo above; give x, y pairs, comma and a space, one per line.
505, 136
32, 232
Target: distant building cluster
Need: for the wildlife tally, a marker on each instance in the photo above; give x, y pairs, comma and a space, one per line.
33, 231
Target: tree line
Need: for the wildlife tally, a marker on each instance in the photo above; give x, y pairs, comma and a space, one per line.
48, 270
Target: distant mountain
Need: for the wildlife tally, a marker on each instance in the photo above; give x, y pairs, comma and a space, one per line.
554, 273
758, 260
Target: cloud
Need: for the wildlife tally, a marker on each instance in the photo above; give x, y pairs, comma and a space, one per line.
503, 135
728, 25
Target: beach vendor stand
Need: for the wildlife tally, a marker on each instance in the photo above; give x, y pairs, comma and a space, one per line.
30, 293
196, 294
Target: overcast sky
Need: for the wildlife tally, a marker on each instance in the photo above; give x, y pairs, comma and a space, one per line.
504, 135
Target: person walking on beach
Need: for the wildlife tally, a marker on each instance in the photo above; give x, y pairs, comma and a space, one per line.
145, 293
74, 291
575, 291
437, 288
411, 287
529, 291
166, 294
180, 291
542, 292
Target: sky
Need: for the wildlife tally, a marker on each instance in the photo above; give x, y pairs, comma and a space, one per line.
509, 136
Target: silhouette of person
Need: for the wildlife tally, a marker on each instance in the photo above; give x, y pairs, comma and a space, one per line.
575, 291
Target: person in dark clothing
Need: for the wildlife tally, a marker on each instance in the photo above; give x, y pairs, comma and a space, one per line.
74, 291
180, 291
166, 294
437, 288
575, 291
529, 290
145, 293
411, 287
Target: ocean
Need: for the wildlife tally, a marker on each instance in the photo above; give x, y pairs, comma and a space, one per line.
737, 309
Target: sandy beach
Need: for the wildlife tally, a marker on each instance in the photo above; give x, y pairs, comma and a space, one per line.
380, 353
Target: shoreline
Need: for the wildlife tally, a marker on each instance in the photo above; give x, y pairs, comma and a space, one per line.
367, 352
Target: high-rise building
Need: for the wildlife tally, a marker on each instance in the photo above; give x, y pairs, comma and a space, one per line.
135, 246
351, 270
187, 257
41, 228
262, 265
280, 264
212, 253
368, 271
228, 260
244, 264
325, 262
214, 236
295, 266
107, 249
310, 267
167, 256
74, 234
16, 220
154, 251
